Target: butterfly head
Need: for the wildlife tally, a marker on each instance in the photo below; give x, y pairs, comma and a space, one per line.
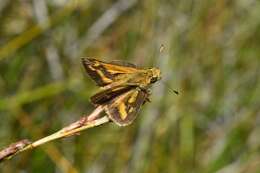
155, 75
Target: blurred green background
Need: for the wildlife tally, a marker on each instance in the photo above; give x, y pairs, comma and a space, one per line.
211, 57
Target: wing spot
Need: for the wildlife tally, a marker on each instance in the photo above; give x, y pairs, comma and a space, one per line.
122, 111
103, 77
91, 68
96, 64
113, 71
131, 110
133, 97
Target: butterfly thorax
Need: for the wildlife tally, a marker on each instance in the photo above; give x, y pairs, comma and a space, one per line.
143, 78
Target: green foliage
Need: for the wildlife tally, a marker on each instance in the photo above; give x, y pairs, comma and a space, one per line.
211, 57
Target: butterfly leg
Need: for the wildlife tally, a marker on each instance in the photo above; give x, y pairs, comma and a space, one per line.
147, 92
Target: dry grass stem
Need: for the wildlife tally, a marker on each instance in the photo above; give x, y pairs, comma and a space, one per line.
85, 122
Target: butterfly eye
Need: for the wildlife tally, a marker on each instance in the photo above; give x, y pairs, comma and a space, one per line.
153, 79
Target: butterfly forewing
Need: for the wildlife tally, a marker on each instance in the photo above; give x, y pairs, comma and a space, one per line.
105, 73
124, 108
97, 72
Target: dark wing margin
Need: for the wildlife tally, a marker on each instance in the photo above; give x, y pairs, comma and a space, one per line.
97, 71
123, 63
124, 109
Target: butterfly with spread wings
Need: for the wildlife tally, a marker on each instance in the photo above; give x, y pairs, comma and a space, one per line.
124, 87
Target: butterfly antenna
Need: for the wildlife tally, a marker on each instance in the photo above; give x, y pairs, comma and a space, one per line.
170, 89
156, 53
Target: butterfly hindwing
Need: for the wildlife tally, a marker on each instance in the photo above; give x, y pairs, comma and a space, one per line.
105, 73
109, 94
124, 108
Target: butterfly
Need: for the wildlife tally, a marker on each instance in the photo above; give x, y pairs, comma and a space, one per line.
124, 88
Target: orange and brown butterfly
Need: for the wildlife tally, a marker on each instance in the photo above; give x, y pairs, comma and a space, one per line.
124, 87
